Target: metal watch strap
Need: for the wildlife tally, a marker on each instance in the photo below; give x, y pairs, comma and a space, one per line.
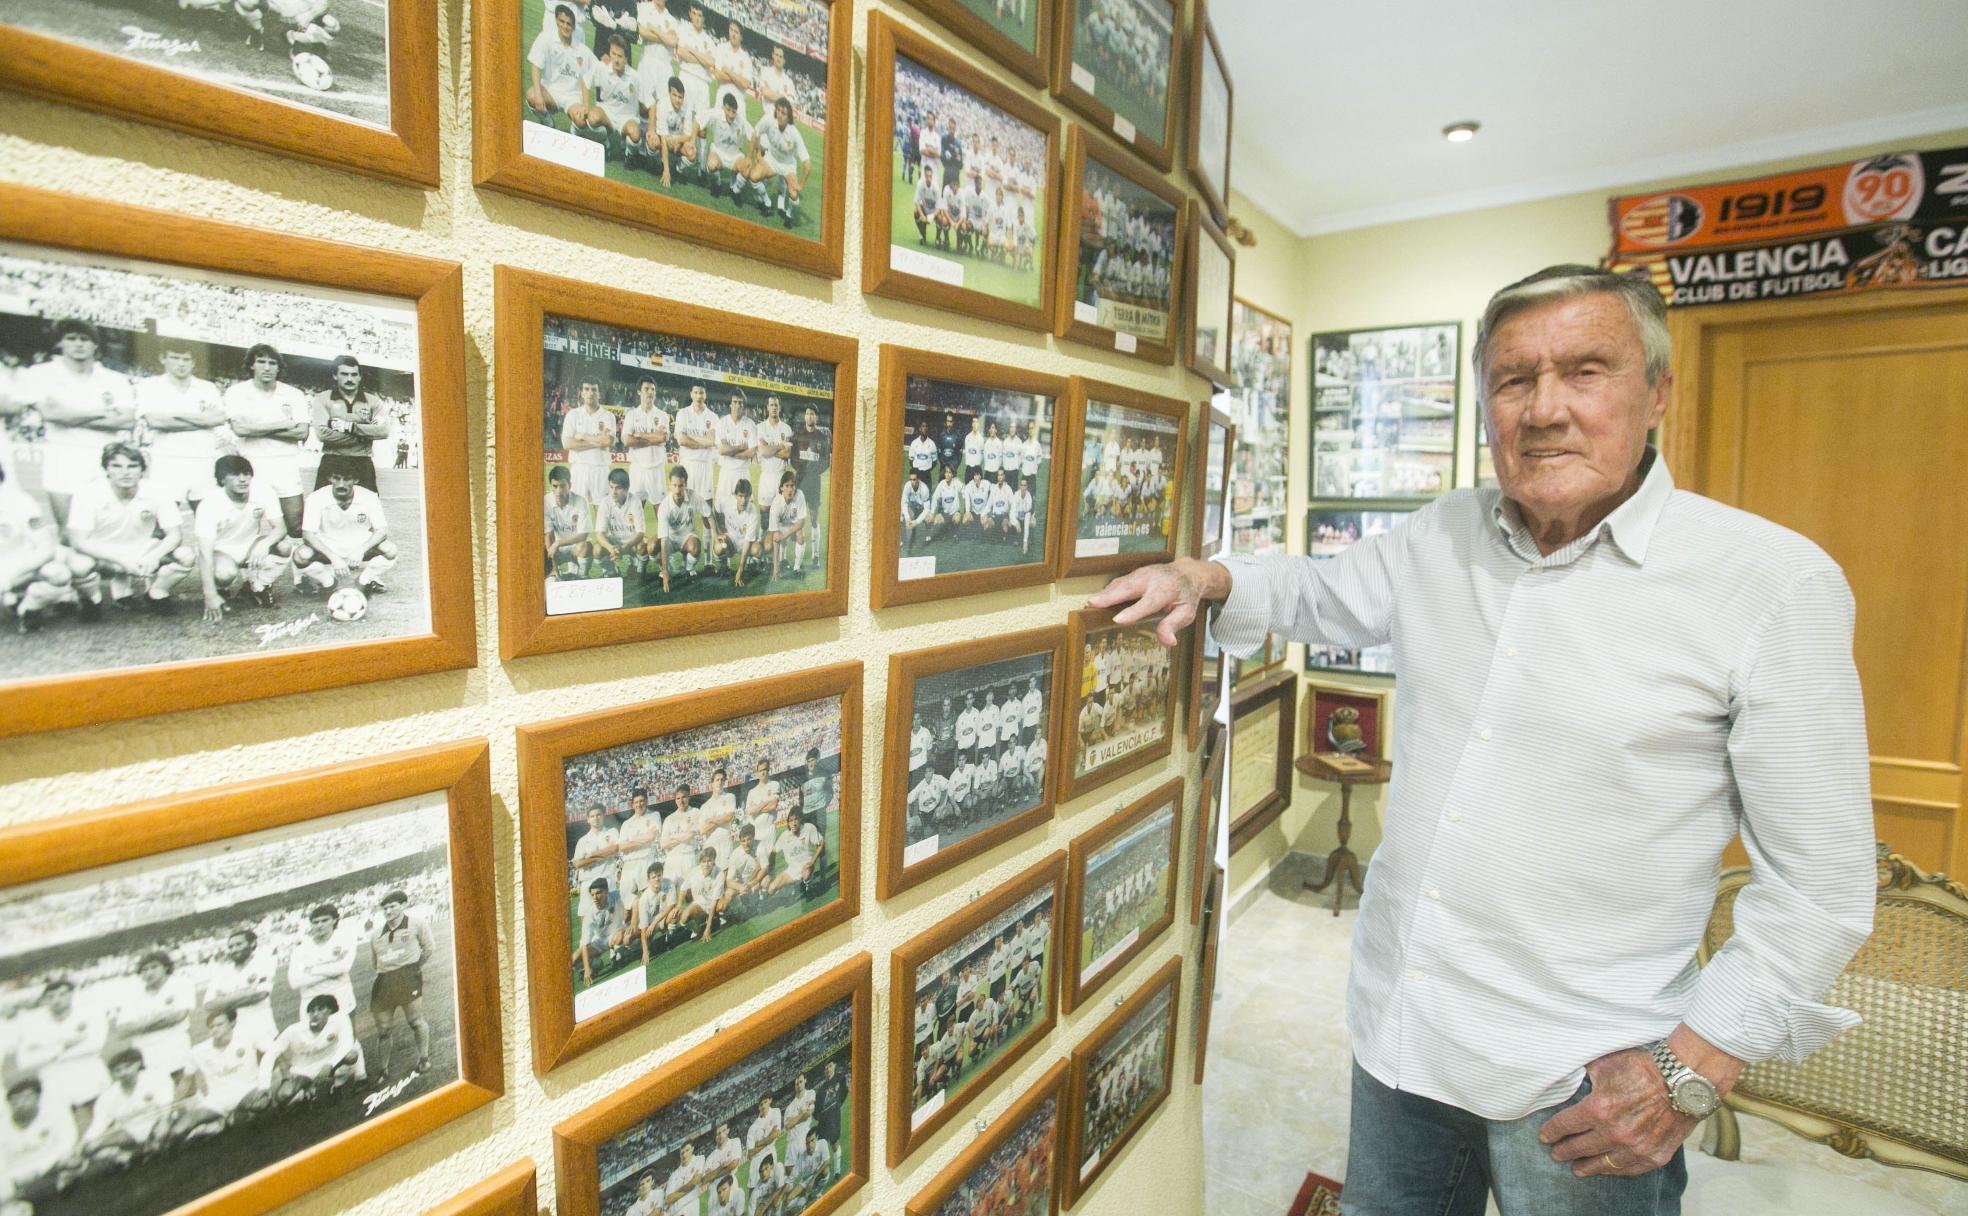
1672, 1069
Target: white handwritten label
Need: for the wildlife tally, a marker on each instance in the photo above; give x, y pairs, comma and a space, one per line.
556, 145
1125, 343
923, 1112
915, 567
583, 595
1082, 78
610, 993
1098, 546
1124, 129
1083, 311
926, 265
922, 850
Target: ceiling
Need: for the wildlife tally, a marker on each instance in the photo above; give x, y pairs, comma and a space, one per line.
1340, 107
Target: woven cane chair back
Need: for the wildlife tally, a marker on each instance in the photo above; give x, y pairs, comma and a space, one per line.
1894, 1088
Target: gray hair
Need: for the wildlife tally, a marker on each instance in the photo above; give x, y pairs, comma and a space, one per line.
1635, 290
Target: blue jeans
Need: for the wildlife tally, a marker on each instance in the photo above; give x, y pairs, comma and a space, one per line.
1414, 1156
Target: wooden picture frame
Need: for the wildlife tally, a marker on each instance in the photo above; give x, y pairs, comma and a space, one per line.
1202, 229
895, 873
1050, 1087
1081, 397
1031, 65
907, 1133
525, 299
1203, 43
1077, 88
1204, 677
64, 222
1214, 421
887, 588
1371, 725
1078, 320
888, 38
1084, 977
74, 844
501, 161
1082, 624
577, 1140
513, 1191
1209, 821
404, 151
1212, 932
1079, 1177
559, 1034
1248, 821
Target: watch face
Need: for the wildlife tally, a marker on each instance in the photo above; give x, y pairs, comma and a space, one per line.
1695, 1096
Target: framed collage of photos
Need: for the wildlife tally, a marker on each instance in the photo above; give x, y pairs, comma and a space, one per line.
968, 470
1019, 36
1384, 412
1118, 63
1330, 531
1260, 402
961, 185
1013, 1165
969, 997
1208, 299
689, 840
1262, 717
1120, 261
353, 89
230, 443
1129, 449
690, 478
513, 1191
972, 730
1121, 889
769, 1115
1122, 1073
1120, 706
717, 121
214, 943
1210, 97
1344, 720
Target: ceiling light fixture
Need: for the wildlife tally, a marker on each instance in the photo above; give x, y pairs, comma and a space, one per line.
1460, 132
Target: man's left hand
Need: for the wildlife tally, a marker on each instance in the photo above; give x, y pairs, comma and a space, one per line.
1626, 1126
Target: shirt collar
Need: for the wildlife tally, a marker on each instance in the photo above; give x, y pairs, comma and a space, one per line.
1631, 524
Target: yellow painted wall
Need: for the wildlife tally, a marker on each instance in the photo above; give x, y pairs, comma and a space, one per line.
47, 776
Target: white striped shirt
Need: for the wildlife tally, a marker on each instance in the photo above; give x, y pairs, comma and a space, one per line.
1579, 736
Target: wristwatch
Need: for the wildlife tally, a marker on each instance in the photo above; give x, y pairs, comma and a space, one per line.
1688, 1092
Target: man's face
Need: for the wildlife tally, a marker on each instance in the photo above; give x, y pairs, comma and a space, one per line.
590, 395
696, 390
393, 914
564, 22
562, 490
1568, 403
25, 1103
266, 369
638, 804
220, 1029
696, 18
736, 405
646, 395
177, 364
125, 1072
618, 492
78, 346
348, 378
237, 485
152, 973
59, 999
123, 472
717, 784
317, 1016
733, 34
344, 488
239, 947
772, 408
618, 60
320, 927
786, 491
779, 57
676, 490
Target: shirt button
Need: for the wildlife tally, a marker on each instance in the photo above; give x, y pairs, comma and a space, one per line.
1414, 973
1484, 734
1510, 653
1434, 893
1455, 816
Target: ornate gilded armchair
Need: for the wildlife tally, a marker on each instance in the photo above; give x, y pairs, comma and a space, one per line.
1895, 1088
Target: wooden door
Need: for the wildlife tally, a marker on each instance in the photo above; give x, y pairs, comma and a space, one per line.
1847, 420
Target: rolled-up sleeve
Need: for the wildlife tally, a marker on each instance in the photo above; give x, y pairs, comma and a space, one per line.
1797, 749
1347, 600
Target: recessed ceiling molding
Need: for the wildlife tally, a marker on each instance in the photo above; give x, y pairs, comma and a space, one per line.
1744, 154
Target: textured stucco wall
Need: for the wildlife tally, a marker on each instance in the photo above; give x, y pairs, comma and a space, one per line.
51, 775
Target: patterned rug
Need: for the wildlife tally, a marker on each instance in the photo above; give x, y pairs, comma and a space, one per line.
1318, 1197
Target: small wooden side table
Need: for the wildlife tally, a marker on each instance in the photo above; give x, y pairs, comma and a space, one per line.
1341, 864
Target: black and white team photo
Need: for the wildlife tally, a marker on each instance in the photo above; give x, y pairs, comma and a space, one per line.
1124, 692
977, 471
1127, 466
1124, 1076
175, 1024
1126, 890
977, 997
1128, 235
977, 750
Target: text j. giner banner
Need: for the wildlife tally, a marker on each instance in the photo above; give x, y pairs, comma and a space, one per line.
1898, 220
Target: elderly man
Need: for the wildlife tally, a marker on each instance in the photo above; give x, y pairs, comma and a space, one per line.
1605, 680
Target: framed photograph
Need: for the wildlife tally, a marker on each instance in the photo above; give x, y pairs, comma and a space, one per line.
218, 1001
512, 1191
1212, 932
354, 88
717, 121
687, 840
1384, 411
1121, 1074
1121, 884
1120, 261
1486, 473
1209, 110
1259, 402
691, 478
1019, 36
1262, 717
1328, 533
213, 464
971, 729
1012, 1166
1345, 721
770, 1115
1129, 449
959, 210
1209, 820
969, 998
1117, 62
1213, 457
968, 476
1212, 275
1120, 711
1202, 658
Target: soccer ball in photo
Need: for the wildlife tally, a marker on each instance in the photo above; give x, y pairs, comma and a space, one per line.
347, 604
313, 71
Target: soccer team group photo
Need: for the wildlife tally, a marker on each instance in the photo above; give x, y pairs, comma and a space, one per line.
1127, 466
1126, 890
1128, 239
978, 471
977, 997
